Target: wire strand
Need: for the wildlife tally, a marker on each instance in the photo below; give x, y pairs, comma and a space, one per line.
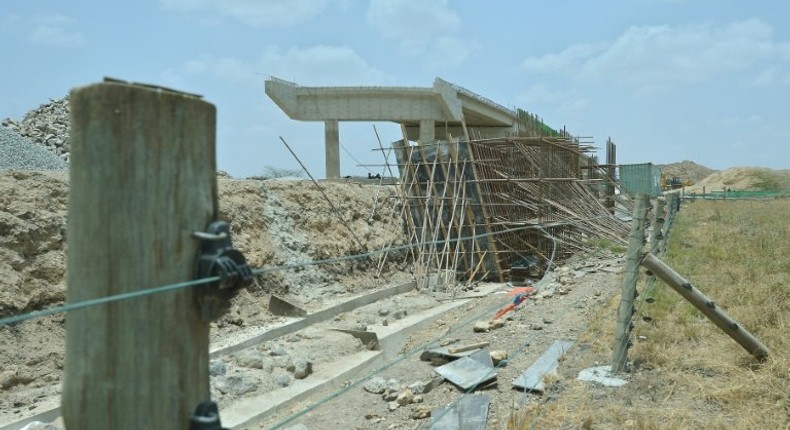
145, 292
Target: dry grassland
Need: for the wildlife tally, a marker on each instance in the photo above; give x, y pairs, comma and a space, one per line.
685, 372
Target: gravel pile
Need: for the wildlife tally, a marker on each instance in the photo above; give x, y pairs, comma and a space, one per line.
47, 125
19, 153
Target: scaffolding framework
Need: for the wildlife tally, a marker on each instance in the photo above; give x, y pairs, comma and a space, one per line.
523, 201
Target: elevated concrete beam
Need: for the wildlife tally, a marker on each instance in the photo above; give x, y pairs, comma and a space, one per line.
443, 103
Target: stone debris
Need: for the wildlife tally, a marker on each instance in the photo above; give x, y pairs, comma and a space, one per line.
421, 412
19, 153
300, 366
217, 368
498, 356
481, 327
390, 395
47, 126
406, 397
235, 385
495, 324
282, 380
379, 385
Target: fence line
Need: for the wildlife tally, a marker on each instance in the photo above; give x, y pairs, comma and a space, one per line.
259, 271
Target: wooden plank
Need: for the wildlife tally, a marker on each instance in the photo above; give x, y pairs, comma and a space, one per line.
532, 378
143, 178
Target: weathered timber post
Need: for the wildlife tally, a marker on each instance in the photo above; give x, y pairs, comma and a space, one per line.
636, 240
656, 233
705, 305
142, 180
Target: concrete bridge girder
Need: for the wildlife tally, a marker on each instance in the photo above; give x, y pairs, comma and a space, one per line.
426, 112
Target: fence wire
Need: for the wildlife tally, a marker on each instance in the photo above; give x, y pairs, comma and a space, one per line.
258, 271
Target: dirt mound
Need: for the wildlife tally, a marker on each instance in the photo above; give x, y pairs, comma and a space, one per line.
273, 223
687, 171
744, 179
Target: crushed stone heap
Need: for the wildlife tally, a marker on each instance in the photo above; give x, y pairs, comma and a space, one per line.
47, 125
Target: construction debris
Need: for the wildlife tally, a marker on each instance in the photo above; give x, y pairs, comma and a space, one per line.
469, 413
533, 378
469, 372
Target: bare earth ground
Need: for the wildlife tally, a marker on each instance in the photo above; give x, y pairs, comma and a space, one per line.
275, 223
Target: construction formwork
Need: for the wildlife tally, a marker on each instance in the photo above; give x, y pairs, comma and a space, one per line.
485, 207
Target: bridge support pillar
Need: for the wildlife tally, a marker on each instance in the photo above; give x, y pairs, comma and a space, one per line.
332, 138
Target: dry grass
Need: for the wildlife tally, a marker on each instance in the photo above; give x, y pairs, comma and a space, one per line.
687, 373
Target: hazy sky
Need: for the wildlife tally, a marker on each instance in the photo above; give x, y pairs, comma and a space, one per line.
705, 80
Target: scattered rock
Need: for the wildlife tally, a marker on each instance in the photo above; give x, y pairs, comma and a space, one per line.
547, 321
498, 356
300, 366
384, 312
7, 378
390, 395
421, 412
282, 380
215, 368
250, 358
481, 327
406, 397
425, 387
278, 351
418, 399
375, 385
536, 326
392, 406
495, 324
235, 385
418, 387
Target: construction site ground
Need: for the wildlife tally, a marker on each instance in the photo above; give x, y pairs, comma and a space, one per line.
284, 222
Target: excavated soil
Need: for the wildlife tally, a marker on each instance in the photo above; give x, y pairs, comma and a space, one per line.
273, 223
278, 223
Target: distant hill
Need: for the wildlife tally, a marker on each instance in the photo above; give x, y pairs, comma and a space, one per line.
745, 179
687, 171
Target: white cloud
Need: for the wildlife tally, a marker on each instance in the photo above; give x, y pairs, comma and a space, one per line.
430, 33
10, 21
314, 65
44, 30
772, 76
564, 101
257, 13
650, 58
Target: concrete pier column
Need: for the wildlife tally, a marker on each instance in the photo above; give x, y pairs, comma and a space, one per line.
427, 130
332, 142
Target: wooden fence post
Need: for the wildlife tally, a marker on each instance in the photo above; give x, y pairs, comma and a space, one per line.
628, 288
142, 180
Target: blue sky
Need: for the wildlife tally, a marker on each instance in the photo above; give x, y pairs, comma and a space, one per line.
668, 80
